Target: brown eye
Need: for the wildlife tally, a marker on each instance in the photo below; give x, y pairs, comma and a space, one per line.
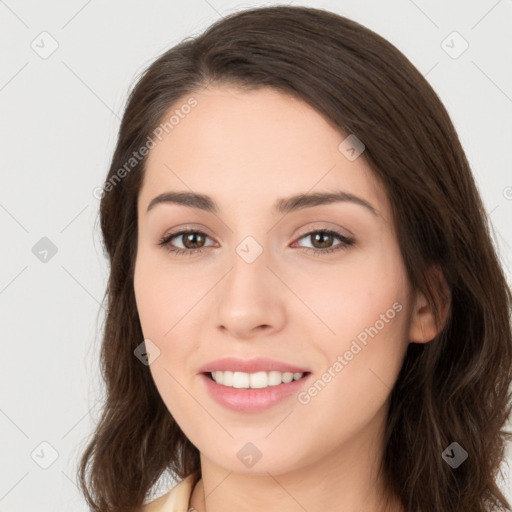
194, 240
321, 240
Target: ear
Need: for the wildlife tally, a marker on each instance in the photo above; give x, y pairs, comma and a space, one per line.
423, 327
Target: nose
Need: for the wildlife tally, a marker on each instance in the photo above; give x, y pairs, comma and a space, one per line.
250, 299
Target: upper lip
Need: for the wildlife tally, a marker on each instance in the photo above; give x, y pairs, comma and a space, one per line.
257, 364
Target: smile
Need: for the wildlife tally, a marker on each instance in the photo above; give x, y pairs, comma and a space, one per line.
257, 380
274, 388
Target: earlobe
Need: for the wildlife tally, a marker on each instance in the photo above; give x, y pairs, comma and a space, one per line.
423, 327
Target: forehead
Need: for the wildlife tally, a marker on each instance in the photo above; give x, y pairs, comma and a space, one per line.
238, 145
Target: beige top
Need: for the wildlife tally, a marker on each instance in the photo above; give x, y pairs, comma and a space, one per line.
177, 499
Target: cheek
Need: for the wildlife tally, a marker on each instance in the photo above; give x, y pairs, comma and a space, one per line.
161, 304
160, 296
149, 299
164, 304
363, 308
349, 296
361, 365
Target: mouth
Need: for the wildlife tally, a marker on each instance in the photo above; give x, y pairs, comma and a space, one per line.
253, 392
256, 380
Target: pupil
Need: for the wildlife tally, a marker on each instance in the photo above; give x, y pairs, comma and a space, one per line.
326, 242
190, 238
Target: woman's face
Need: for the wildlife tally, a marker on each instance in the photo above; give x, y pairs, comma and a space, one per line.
267, 284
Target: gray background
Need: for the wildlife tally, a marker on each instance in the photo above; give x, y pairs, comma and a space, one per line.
60, 115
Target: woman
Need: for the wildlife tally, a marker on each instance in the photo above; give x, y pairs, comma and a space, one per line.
305, 308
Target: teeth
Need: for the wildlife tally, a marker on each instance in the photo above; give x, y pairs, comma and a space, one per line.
256, 380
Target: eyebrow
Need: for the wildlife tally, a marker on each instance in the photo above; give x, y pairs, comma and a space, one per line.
283, 205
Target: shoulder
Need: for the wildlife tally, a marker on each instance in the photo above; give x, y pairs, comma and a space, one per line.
177, 499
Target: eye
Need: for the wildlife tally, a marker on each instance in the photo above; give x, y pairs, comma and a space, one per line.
322, 240
193, 242
190, 239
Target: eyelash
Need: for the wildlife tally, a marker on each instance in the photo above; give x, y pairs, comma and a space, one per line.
346, 242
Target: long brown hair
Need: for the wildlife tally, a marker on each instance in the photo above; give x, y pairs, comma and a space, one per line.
454, 388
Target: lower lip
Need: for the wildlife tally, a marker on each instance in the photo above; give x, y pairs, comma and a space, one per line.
252, 400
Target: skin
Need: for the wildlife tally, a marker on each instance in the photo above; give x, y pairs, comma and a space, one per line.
246, 149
